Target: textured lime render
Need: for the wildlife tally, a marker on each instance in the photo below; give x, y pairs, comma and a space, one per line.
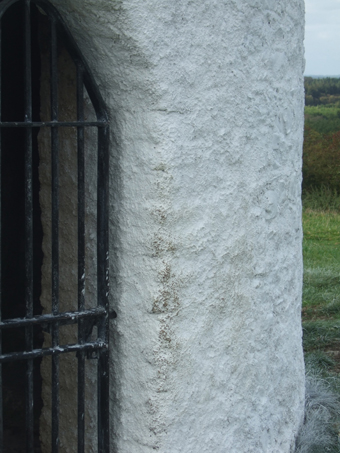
206, 107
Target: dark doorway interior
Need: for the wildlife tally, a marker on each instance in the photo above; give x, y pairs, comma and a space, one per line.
13, 223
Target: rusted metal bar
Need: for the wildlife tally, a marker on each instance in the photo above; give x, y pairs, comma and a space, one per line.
54, 124
55, 234
28, 230
103, 287
35, 353
1, 389
81, 257
70, 317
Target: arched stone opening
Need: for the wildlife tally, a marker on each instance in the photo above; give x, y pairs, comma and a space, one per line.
54, 238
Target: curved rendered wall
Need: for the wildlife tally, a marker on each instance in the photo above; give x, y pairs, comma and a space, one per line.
206, 102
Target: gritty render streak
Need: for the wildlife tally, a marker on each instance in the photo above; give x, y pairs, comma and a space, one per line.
206, 107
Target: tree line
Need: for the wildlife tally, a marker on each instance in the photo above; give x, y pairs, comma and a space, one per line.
322, 91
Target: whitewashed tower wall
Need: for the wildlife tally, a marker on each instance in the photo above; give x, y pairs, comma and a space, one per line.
206, 107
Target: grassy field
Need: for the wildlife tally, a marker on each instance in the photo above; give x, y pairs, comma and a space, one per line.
328, 111
321, 252
324, 119
321, 315
321, 293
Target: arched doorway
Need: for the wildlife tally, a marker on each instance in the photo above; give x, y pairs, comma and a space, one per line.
54, 234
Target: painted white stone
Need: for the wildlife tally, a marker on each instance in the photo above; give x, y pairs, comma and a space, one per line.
206, 105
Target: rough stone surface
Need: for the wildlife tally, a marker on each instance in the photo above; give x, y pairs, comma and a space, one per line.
206, 105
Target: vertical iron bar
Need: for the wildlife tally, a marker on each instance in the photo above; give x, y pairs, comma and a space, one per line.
81, 259
55, 235
28, 229
103, 286
1, 396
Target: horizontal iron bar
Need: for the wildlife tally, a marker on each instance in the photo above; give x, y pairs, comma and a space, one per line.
26, 355
54, 123
71, 317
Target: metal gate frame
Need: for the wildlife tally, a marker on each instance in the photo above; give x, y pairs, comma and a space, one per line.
85, 319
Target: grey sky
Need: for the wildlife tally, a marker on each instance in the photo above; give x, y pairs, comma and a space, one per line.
322, 37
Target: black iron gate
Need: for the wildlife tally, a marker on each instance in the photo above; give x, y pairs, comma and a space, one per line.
85, 318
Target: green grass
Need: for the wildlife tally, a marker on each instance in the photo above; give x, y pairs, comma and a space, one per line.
321, 289
329, 111
321, 251
319, 433
321, 199
321, 315
324, 119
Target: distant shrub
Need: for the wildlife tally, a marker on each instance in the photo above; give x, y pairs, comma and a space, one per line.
309, 100
321, 198
324, 119
322, 90
329, 111
321, 160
